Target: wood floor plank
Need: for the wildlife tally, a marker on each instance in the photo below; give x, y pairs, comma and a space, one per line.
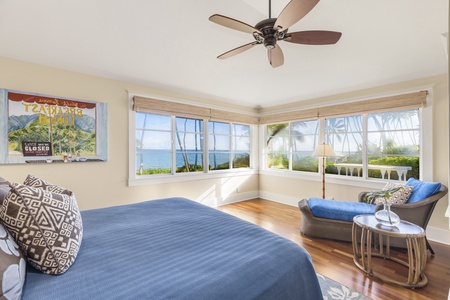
334, 259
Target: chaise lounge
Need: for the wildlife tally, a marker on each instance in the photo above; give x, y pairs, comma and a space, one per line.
333, 219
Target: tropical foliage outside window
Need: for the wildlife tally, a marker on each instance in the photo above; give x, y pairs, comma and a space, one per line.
278, 146
304, 138
393, 139
228, 143
163, 150
345, 135
292, 142
389, 147
240, 146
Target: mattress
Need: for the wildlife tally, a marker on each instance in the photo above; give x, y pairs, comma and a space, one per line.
177, 249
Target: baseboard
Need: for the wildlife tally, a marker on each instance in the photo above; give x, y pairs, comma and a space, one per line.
288, 200
433, 233
438, 235
233, 198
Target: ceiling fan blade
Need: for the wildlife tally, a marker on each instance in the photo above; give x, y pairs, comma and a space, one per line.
237, 50
233, 24
294, 12
276, 57
313, 37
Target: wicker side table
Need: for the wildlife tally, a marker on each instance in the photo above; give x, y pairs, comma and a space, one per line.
414, 235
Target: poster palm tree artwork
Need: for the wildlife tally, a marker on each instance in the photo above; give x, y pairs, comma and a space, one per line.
51, 126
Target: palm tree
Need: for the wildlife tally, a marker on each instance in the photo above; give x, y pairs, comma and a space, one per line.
141, 141
274, 130
334, 127
383, 121
183, 145
215, 145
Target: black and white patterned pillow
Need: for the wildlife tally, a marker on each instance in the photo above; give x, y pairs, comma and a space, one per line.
12, 267
399, 197
36, 182
47, 226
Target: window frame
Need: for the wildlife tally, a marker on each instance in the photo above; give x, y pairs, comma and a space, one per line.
258, 149
426, 162
136, 180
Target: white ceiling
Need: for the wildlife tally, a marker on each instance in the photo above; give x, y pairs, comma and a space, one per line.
171, 45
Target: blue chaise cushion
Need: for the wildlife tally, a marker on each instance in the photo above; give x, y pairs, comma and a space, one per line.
339, 210
422, 189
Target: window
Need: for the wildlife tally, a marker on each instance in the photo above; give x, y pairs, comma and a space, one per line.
153, 144
169, 144
278, 146
228, 143
290, 145
345, 135
219, 145
241, 137
381, 145
393, 139
189, 145
304, 138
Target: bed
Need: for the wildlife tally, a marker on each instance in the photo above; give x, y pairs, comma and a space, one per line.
177, 249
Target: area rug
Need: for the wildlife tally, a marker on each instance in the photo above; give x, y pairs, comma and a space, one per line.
334, 290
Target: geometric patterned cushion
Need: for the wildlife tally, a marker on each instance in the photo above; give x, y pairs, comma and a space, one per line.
47, 226
12, 267
399, 197
36, 182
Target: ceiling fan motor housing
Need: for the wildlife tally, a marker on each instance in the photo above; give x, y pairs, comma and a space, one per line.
270, 35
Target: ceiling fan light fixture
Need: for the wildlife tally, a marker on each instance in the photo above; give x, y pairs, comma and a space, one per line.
270, 41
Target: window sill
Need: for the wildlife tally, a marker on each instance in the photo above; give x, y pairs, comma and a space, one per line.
333, 179
169, 178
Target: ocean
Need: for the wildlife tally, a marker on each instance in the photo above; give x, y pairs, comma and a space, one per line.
155, 160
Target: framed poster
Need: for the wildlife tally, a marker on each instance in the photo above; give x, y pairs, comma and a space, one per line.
46, 129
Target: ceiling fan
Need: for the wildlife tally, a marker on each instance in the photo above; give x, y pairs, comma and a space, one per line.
269, 31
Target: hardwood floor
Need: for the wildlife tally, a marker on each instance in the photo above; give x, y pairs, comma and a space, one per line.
335, 259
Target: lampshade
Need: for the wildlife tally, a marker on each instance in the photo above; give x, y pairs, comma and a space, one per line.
323, 150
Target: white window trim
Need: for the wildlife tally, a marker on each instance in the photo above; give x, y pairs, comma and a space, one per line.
426, 158
136, 180
258, 154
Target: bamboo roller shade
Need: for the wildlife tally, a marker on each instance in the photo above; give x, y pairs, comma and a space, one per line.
405, 101
190, 111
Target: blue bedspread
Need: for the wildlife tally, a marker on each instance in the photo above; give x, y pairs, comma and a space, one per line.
177, 249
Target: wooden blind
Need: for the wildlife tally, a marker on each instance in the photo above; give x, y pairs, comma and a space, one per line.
165, 107
150, 105
405, 101
306, 114
221, 115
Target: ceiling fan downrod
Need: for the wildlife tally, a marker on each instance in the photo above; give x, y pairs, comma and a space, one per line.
270, 9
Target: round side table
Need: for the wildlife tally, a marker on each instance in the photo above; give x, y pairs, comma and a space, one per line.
363, 228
